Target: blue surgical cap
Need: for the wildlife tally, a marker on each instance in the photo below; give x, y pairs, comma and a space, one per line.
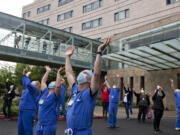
82, 76
51, 85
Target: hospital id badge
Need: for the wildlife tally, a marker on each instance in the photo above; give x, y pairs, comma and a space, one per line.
70, 102
41, 101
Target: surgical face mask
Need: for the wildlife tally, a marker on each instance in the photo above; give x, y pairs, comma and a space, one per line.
33, 83
11, 86
82, 76
142, 91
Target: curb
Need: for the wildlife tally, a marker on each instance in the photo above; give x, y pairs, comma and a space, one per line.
60, 118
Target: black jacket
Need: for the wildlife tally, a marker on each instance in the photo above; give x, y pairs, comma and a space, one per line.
158, 100
138, 95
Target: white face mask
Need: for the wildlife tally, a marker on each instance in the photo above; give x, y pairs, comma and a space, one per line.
142, 91
114, 86
81, 78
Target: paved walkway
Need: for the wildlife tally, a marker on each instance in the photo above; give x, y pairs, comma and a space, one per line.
121, 112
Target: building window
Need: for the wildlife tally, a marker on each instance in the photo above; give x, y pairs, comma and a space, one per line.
43, 9
121, 15
178, 81
131, 82
142, 82
92, 6
44, 22
27, 14
171, 1
65, 16
92, 24
69, 29
63, 2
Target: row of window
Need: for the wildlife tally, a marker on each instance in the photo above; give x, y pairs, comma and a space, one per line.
92, 6
45, 21
43, 9
90, 24
171, 1
65, 16
131, 82
88, 8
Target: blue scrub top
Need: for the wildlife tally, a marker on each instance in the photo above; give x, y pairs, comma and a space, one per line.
114, 95
28, 98
177, 98
47, 110
61, 99
80, 113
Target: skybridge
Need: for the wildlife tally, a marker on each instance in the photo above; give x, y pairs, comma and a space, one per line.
32, 43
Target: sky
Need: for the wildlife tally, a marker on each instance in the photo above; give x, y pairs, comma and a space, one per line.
13, 7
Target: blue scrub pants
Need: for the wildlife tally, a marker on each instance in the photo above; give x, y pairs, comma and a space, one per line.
113, 108
87, 131
178, 118
46, 129
63, 108
26, 122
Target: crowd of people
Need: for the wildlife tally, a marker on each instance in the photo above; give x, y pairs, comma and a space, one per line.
45, 100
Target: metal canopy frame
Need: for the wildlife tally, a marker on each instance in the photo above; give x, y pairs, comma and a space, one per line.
162, 55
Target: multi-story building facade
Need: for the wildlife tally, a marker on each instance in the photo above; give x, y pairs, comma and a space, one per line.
119, 19
99, 18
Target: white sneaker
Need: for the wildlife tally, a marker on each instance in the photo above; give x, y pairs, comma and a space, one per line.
177, 129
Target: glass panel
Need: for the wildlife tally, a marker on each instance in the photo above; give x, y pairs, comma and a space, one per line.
95, 23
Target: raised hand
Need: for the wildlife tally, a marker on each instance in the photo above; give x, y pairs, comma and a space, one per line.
48, 69
69, 50
117, 76
61, 69
171, 80
104, 45
28, 73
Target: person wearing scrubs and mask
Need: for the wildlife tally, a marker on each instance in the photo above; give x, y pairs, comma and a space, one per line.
62, 99
177, 98
48, 101
27, 106
113, 102
83, 95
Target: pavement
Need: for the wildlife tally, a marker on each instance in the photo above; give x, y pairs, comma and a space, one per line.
126, 127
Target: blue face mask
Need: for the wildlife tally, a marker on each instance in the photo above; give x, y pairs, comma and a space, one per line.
33, 83
82, 76
11, 86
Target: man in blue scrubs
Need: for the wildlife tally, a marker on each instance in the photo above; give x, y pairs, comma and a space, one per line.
113, 102
83, 96
62, 99
27, 106
177, 98
47, 105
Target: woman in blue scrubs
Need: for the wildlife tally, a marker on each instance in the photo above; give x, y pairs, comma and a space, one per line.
83, 96
177, 98
47, 104
27, 106
113, 102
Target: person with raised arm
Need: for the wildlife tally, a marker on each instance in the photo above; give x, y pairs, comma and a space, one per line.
48, 101
177, 98
113, 102
158, 107
84, 93
27, 106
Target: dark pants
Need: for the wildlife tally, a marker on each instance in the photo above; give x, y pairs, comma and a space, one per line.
126, 105
105, 108
142, 113
5, 105
157, 118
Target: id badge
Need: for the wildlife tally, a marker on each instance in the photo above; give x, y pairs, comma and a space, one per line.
112, 96
70, 102
41, 101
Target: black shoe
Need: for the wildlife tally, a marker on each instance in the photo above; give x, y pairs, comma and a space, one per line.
116, 126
